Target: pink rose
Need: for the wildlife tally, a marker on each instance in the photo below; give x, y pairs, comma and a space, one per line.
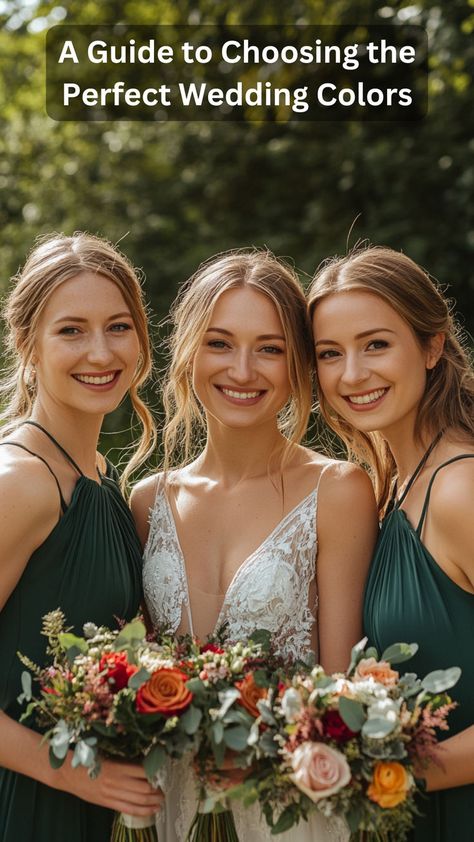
318, 770
379, 670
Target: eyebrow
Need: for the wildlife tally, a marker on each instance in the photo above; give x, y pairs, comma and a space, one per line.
357, 336
79, 320
262, 336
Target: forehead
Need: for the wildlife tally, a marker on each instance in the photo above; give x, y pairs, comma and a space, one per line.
245, 308
354, 311
87, 291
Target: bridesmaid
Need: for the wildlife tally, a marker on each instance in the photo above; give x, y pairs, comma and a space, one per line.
77, 334
397, 387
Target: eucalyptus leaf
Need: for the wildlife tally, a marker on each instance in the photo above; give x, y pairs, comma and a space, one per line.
266, 712
133, 632
26, 695
191, 720
67, 641
357, 653
397, 653
54, 761
440, 680
262, 637
227, 699
196, 687
60, 739
236, 737
352, 713
138, 679
153, 761
218, 731
378, 728
84, 755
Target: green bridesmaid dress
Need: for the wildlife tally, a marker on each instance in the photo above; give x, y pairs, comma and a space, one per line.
409, 598
90, 567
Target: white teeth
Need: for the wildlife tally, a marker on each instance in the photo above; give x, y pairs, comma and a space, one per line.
95, 381
369, 398
241, 396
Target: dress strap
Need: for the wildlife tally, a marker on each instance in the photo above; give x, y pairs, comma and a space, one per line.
416, 472
32, 453
424, 510
59, 446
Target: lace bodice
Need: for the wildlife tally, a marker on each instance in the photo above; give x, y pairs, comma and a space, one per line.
270, 590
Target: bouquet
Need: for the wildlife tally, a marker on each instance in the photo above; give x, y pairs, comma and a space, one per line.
111, 693
117, 694
349, 745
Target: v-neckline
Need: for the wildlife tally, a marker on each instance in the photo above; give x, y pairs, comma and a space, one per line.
244, 564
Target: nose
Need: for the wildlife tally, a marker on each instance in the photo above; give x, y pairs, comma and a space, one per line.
99, 352
355, 370
241, 368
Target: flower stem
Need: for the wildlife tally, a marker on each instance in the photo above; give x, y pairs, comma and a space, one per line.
213, 827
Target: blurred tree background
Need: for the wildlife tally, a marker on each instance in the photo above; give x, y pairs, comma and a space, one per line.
175, 193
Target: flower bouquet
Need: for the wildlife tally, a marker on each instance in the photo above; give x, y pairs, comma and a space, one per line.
111, 693
227, 681
348, 745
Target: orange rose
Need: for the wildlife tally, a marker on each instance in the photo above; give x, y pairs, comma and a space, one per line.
250, 694
379, 670
165, 692
390, 784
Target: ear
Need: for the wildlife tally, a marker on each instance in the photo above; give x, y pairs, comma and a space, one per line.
435, 349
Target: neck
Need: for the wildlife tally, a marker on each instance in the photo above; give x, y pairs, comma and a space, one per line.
233, 455
407, 450
77, 433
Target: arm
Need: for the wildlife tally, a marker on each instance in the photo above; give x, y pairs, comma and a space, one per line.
452, 527
347, 531
30, 509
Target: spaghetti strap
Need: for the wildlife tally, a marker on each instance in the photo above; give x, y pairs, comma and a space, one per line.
59, 446
32, 453
416, 472
424, 510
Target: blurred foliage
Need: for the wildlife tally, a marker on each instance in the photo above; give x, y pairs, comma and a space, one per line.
175, 193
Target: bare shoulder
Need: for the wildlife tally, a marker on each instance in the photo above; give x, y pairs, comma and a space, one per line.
348, 485
452, 494
27, 489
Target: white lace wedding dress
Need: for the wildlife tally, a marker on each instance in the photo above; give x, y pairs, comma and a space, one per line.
270, 590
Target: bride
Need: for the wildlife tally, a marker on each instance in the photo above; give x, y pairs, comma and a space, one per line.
252, 530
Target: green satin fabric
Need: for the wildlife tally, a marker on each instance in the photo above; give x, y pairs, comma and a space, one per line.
409, 598
90, 566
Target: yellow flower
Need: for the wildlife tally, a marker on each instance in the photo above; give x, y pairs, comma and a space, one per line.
390, 784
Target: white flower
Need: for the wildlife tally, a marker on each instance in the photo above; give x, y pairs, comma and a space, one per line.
291, 704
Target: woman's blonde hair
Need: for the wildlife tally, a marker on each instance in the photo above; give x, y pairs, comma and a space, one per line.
54, 260
190, 316
448, 399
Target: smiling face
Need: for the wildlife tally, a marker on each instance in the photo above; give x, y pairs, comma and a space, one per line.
86, 348
240, 370
371, 368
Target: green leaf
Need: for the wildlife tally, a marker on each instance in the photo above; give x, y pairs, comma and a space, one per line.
84, 755
138, 679
68, 641
191, 720
153, 761
377, 728
196, 687
26, 696
60, 739
440, 680
133, 632
261, 679
262, 637
357, 653
236, 738
218, 731
397, 653
55, 762
354, 816
371, 652
286, 820
352, 713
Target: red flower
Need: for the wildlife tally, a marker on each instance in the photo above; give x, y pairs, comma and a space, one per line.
212, 647
118, 669
335, 728
165, 692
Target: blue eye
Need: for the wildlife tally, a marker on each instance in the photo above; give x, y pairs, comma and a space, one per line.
217, 343
377, 344
272, 349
